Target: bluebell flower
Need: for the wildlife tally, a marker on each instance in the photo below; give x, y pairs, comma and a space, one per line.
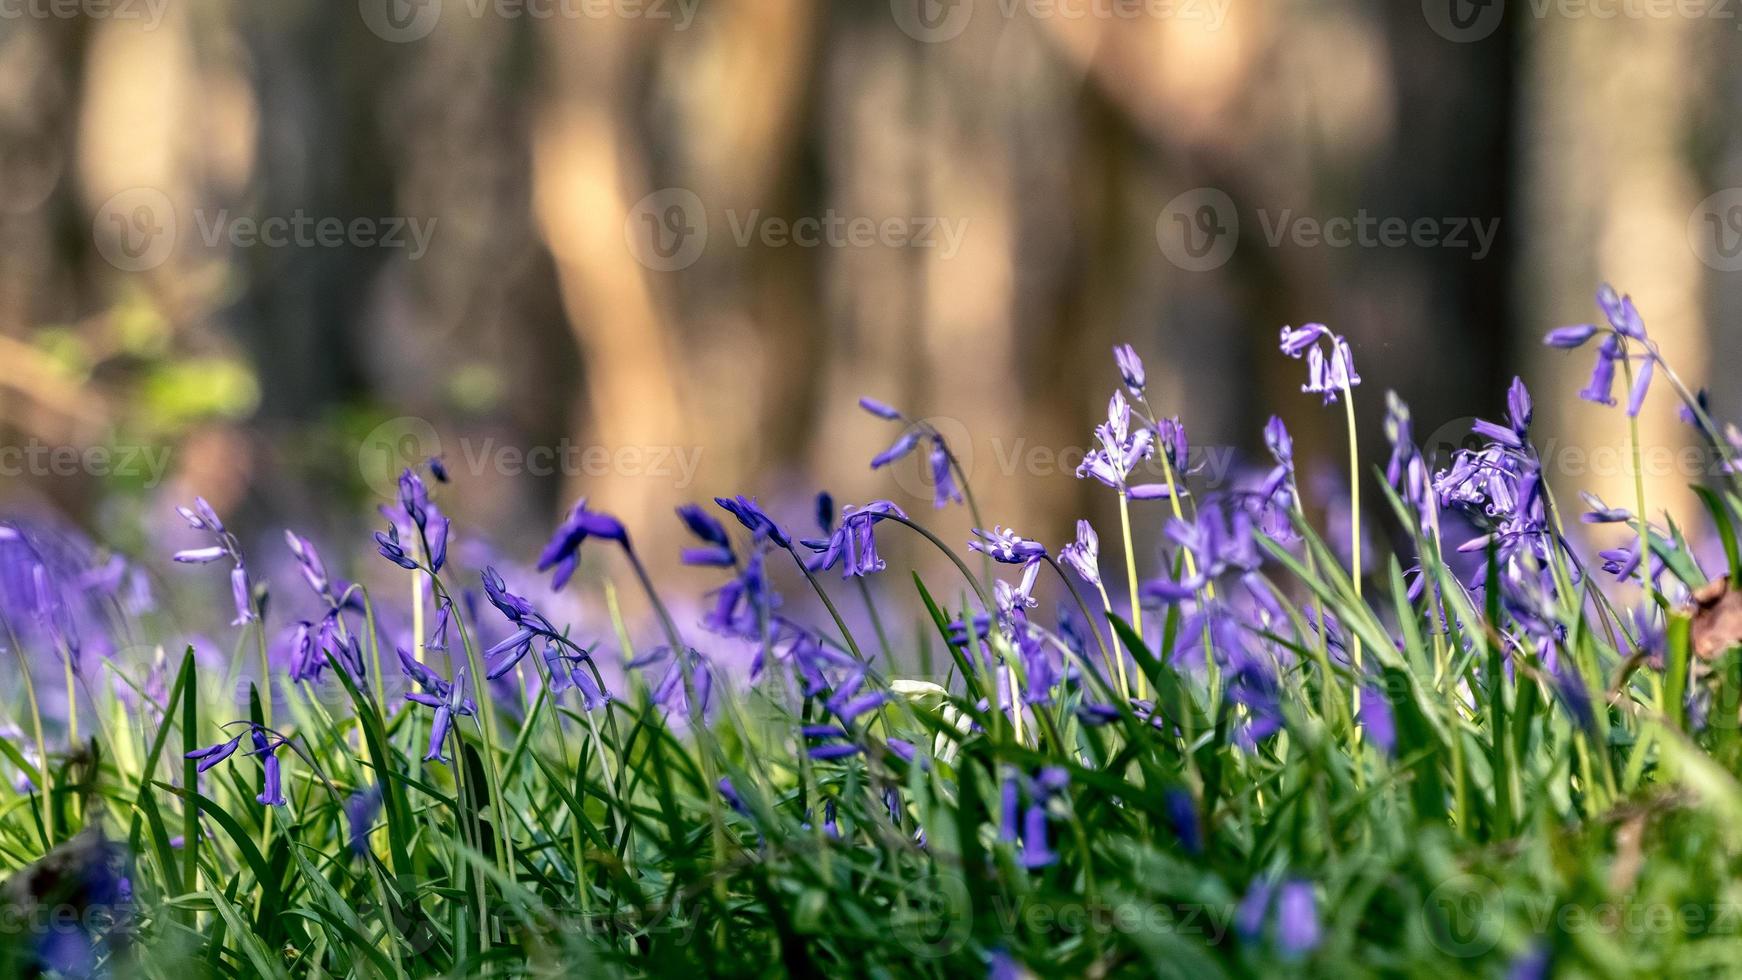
904, 444
1121, 447
849, 704
1028, 825
1406, 470
744, 602
308, 562
563, 550
1377, 720
510, 605
1293, 909
361, 808
943, 479
717, 547
1130, 367
829, 742
754, 519
1182, 817
447, 699
1083, 555
669, 692
387, 543
1220, 541
414, 498
853, 546
825, 512
1004, 545
211, 755
1327, 375
1297, 918
265, 745
201, 517
879, 409
569, 671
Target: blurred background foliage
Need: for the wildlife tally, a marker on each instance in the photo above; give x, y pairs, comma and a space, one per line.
526, 137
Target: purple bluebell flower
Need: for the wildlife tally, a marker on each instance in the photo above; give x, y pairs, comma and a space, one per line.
1641, 382
1130, 367
1121, 448
1182, 816
437, 535
755, 519
1295, 910
1327, 375
1083, 555
211, 755
510, 605
447, 699
569, 671
1620, 312
272, 784
308, 562
849, 704
242, 593
853, 546
904, 444
743, 604
201, 556
825, 512
387, 543
1004, 545
1176, 447
1377, 720
1297, 918
563, 550
1220, 541
943, 479
1601, 513
669, 692
1149, 491
879, 409
203, 518
1570, 338
831, 742
361, 808
414, 498
1406, 470
1518, 415
717, 546
1601, 388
